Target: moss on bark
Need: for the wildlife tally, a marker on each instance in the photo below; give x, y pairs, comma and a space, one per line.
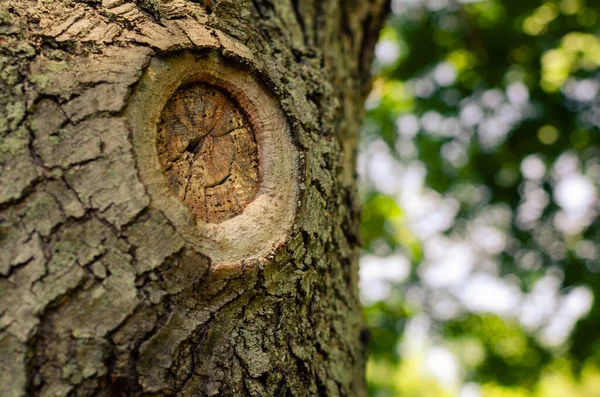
100, 292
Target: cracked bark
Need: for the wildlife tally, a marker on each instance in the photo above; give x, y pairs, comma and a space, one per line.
101, 293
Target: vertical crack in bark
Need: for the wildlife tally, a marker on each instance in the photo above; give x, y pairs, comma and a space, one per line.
287, 341
258, 8
300, 19
317, 21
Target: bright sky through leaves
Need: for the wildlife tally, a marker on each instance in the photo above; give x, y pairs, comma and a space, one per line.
480, 176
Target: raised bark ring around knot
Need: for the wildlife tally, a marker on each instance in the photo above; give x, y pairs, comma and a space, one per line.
215, 152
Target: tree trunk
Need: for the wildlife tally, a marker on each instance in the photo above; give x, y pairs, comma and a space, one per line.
177, 196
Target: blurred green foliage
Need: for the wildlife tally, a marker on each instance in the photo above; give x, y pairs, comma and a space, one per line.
497, 104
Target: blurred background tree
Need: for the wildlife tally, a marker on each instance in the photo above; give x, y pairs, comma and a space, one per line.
480, 169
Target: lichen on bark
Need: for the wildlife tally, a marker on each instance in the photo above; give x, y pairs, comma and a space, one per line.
107, 288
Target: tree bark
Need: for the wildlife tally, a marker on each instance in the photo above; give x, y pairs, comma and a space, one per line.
112, 284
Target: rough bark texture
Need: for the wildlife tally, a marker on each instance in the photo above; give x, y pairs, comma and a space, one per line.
100, 293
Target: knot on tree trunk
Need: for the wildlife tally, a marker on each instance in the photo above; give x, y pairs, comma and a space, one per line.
215, 150
207, 150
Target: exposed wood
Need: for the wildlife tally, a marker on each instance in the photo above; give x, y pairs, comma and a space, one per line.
109, 284
266, 220
207, 151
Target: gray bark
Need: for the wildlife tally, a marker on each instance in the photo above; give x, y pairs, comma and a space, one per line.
102, 292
